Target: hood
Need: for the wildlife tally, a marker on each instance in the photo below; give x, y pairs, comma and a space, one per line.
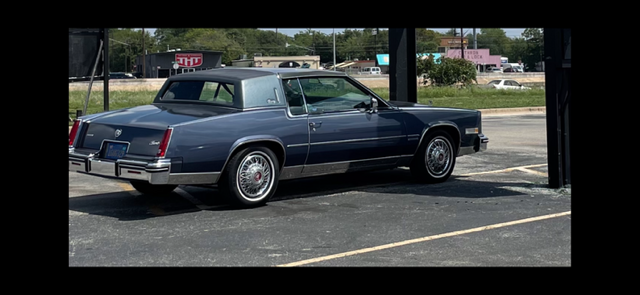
404, 104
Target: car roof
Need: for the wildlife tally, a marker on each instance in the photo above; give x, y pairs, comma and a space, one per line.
244, 73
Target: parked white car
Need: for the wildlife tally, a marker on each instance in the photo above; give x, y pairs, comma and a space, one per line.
506, 84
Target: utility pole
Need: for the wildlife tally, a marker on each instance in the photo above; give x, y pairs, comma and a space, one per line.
475, 39
461, 43
334, 49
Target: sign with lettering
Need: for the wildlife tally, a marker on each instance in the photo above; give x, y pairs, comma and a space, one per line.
189, 60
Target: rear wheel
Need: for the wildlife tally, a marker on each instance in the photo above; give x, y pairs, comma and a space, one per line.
251, 177
152, 189
435, 158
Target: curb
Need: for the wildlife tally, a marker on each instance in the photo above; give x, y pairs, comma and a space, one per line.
513, 110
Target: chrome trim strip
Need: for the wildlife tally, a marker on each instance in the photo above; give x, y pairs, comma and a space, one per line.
345, 166
435, 125
356, 140
284, 157
194, 178
291, 172
297, 145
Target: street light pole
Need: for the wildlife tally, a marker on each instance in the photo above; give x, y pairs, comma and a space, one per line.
334, 49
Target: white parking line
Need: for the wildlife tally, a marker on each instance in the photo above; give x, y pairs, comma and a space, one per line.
429, 238
521, 168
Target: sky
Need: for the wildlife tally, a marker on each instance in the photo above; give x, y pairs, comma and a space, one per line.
510, 32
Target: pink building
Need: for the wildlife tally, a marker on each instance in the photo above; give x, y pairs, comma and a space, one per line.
480, 57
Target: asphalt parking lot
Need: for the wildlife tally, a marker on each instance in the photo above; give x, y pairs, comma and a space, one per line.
496, 210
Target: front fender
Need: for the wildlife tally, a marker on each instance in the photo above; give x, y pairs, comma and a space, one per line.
435, 124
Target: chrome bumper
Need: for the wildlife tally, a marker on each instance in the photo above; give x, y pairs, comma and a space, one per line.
156, 172
484, 140
480, 145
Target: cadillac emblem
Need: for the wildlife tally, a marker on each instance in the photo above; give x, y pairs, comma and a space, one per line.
118, 132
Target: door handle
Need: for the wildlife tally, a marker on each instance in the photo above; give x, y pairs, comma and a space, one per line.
315, 125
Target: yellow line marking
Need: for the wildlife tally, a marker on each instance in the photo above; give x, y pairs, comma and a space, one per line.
505, 170
533, 172
429, 238
125, 186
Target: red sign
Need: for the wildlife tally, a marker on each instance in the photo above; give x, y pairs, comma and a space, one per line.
189, 60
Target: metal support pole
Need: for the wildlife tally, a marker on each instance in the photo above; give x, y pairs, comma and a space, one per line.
105, 66
334, 49
403, 85
93, 73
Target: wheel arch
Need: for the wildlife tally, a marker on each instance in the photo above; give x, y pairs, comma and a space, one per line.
447, 126
271, 142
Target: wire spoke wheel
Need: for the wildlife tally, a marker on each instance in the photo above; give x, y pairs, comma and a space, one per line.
438, 157
255, 175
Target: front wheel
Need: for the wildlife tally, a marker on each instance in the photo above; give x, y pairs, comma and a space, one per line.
435, 158
251, 177
152, 189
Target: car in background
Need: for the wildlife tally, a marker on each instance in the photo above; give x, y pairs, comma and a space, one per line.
245, 129
121, 75
506, 84
510, 70
494, 70
371, 71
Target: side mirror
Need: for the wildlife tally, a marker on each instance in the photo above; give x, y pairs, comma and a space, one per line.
374, 105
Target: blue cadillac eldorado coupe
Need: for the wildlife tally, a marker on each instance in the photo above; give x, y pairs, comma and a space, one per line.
244, 129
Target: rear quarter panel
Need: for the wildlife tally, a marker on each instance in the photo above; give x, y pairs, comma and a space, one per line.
205, 145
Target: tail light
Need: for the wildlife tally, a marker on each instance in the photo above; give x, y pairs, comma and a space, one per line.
164, 143
73, 132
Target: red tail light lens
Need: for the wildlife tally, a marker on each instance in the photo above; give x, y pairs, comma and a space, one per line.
164, 143
73, 132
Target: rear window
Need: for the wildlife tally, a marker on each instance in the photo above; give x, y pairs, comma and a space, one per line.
494, 82
205, 91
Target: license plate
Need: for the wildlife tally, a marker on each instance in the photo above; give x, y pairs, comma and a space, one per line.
115, 150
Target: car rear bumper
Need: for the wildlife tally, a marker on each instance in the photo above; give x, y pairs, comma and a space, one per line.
155, 172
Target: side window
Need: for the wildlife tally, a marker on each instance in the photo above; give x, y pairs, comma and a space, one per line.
217, 92
293, 94
333, 95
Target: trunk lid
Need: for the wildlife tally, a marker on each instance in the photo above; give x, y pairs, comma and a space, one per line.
143, 127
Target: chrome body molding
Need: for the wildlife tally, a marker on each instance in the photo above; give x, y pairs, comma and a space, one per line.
155, 172
348, 140
300, 171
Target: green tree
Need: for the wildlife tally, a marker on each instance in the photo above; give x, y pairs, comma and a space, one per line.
450, 71
534, 38
517, 50
427, 41
213, 39
125, 45
495, 40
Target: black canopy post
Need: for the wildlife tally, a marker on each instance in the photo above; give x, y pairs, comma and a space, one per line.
403, 85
